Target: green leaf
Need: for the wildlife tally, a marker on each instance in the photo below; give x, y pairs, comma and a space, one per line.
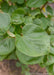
4, 23
27, 59
20, 11
7, 45
52, 50
13, 1
12, 28
49, 10
35, 12
24, 69
50, 69
0, 0
2, 58
52, 44
27, 10
8, 9
29, 28
12, 56
18, 1
52, 40
33, 44
28, 20
5, 7
52, 21
17, 19
12, 8
36, 3
51, 30
27, 73
50, 60
43, 22
18, 64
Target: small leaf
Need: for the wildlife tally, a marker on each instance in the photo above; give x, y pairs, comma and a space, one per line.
17, 19
18, 64
20, 11
7, 45
36, 3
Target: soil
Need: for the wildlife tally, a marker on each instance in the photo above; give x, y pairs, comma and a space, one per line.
9, 68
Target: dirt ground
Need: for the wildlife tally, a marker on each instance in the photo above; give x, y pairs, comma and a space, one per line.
9, 68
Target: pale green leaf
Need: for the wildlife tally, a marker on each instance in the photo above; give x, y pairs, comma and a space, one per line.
29, 28
27, 59
33, 44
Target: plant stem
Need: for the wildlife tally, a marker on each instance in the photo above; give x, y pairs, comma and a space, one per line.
44, 5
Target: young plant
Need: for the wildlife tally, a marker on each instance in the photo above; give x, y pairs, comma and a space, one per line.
27, 33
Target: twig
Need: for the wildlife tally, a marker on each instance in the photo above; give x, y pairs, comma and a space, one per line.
44, 5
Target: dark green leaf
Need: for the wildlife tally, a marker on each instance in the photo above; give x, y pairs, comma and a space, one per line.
5, 7
50, 69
